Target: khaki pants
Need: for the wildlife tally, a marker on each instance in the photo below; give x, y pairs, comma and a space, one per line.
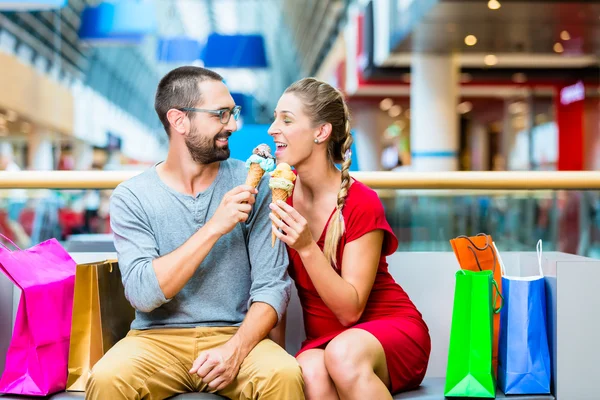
154, 364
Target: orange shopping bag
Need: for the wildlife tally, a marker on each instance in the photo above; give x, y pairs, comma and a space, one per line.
476, 253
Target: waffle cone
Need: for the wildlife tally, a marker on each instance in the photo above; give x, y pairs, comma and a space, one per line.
255, 174
278, 194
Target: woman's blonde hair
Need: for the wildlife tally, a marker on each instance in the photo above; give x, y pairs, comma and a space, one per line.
325, 104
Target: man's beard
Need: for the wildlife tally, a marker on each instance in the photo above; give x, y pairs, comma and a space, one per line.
205, 150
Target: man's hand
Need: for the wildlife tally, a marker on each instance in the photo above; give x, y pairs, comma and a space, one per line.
217, 367
234, 208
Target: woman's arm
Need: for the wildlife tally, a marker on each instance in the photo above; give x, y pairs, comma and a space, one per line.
345, 295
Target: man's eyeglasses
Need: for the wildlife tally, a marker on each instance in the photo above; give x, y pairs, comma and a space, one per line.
224, 113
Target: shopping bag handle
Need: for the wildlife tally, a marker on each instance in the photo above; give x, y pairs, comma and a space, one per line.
487, 246
109, 262
496, 294
502, 266
495, 297
539, 256
9, 241
539, 251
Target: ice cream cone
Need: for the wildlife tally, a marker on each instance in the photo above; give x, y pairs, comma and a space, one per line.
258, 163
278, 194
282, 186
255, 174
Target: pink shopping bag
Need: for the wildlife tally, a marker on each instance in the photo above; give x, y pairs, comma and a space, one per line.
36, 362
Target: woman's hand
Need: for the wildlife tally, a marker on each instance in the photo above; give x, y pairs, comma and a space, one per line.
294, 228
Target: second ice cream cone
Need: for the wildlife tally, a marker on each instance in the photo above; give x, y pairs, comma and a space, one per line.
278, 194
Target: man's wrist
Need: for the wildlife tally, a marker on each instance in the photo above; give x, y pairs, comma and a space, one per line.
237, 348
211, 231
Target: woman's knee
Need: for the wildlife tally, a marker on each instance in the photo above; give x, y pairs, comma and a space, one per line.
346, 361
313, 368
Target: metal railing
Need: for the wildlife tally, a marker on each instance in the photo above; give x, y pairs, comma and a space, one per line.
424, 209
537, 180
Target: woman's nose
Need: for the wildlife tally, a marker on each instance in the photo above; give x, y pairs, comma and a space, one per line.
273, 129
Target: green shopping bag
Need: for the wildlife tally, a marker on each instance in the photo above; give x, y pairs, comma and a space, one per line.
470, 372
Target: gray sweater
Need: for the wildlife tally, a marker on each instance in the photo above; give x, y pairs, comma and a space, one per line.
150, 220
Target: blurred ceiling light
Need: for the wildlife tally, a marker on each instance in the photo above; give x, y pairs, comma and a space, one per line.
406, 77
558, 48
518, 107
465, 77
564, 35
464, 107
490, 60
471, 40
11, 115
386, 104
494, 4
519, 77
395, 111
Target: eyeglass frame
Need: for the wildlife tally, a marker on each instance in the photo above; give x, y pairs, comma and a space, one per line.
235, 112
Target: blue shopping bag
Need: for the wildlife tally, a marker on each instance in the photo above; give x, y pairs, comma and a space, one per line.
523, 351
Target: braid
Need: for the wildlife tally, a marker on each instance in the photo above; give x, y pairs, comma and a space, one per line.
337, 226
346, 146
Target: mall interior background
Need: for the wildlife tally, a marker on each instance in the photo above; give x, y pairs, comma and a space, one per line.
433, 85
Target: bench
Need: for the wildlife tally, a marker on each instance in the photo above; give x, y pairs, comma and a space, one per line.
428, 278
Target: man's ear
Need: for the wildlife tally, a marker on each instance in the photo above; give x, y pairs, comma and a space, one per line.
176, 119
324, 132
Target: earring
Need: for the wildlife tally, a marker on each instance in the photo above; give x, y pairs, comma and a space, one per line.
316, 140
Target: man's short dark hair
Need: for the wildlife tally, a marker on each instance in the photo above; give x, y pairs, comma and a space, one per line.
179, 88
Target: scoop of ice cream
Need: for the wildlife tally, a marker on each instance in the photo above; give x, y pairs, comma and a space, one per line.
263, 150
281, 183
267, 164
284, 171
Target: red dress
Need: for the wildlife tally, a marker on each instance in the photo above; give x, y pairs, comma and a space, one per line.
389, 315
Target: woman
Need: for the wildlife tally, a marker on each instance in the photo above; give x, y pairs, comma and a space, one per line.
365, 338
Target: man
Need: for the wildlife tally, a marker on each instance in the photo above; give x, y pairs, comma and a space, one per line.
197, 263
